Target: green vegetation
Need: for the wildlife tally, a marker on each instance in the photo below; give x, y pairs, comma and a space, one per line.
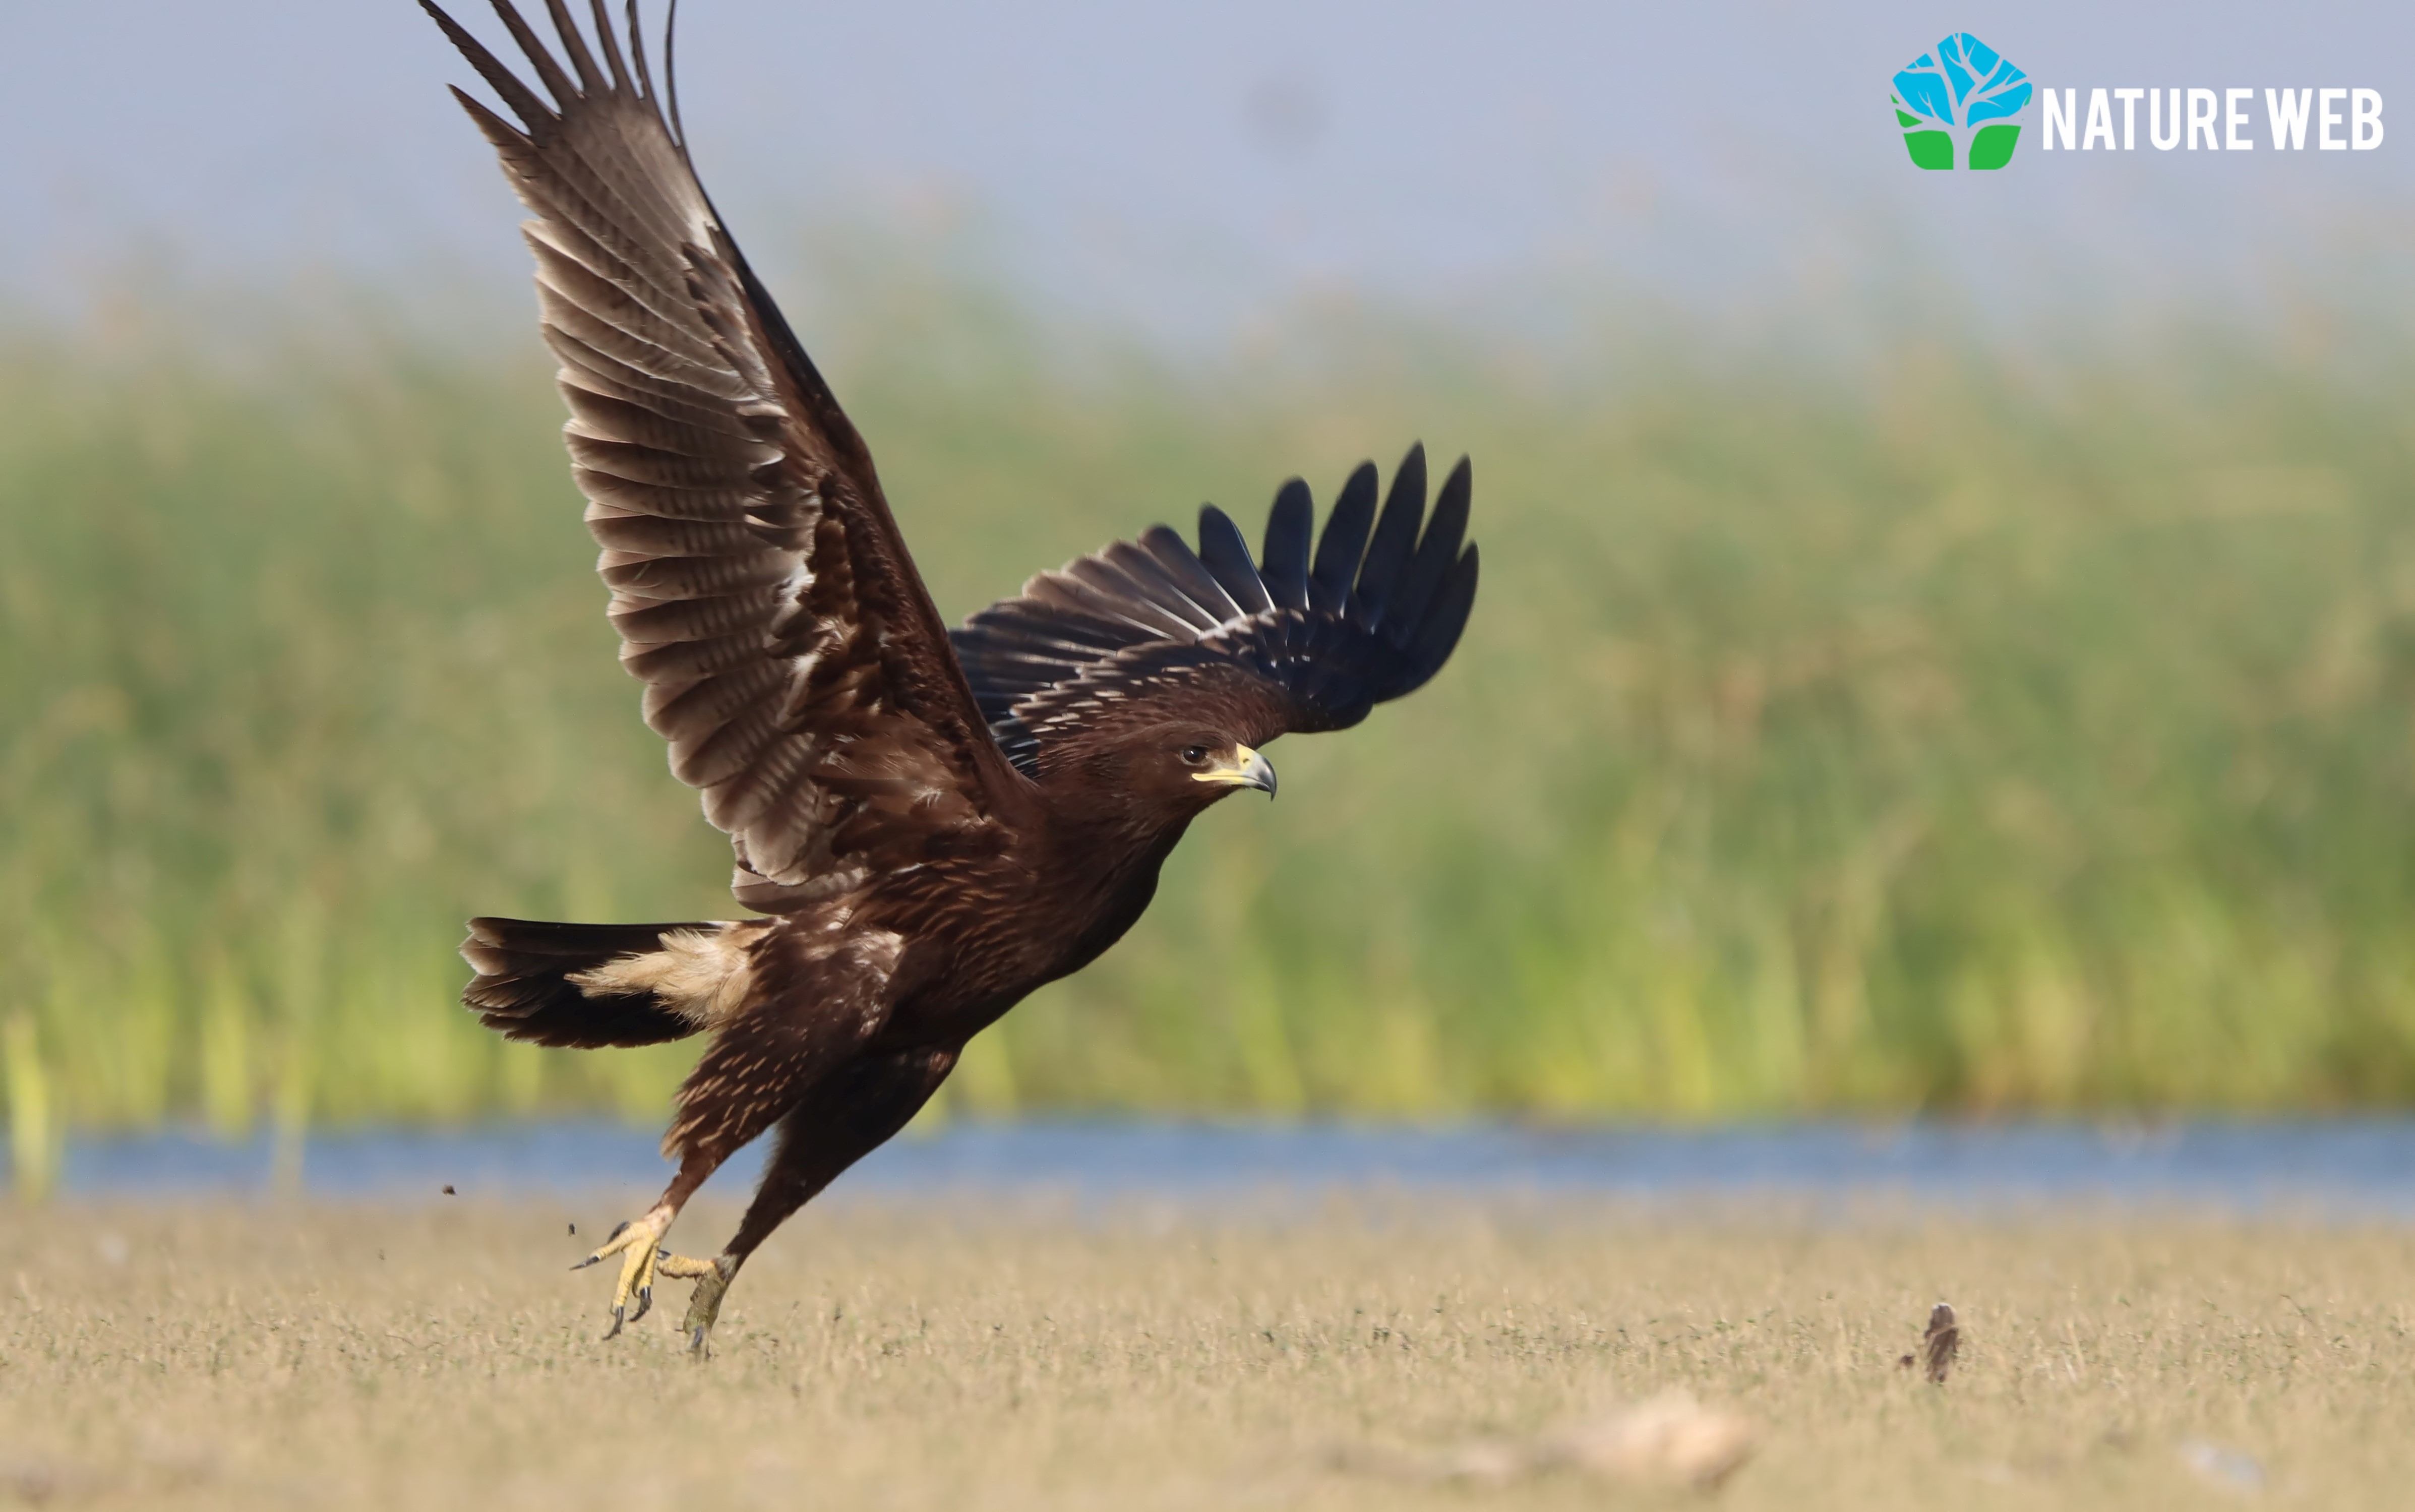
1951, 732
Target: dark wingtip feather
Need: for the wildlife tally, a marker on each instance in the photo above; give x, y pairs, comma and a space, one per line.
1343, 543
611, 42
1455, 491
1434, 555
1395, 538
590, 77
499, 133
1226, 556
540, 56
1283, 563
522, 101
671, 71
637, 54
1437, 633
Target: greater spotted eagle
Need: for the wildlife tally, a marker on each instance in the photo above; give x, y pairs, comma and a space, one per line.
931, 822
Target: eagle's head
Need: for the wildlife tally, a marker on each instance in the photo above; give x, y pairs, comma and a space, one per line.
1193, 767
1157, 761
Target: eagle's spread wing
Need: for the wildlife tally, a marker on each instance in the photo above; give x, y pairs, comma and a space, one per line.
792, 655
1371, 615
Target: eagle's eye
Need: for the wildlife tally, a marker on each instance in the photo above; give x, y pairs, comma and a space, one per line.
1193, 755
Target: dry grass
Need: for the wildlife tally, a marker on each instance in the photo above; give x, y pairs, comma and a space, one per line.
441, 1357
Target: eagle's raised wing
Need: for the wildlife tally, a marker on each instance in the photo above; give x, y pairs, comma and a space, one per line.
1371, 615
793, 657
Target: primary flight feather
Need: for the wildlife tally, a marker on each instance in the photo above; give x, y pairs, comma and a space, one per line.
932, 822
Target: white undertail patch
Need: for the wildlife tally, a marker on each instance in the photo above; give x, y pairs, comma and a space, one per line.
701, 975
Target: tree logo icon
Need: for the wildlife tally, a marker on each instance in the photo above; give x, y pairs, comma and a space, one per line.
1957, 101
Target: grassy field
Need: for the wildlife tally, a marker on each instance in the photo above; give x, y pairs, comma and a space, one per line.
1949, 730
194, 1357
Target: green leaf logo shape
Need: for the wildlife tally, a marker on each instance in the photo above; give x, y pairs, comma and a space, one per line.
1957, 101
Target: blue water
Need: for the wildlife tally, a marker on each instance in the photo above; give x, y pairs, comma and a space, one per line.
2345, 1169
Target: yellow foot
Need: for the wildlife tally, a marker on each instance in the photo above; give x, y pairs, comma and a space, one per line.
643, 1260
713, 1278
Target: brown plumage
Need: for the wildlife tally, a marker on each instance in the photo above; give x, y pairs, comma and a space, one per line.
934, 822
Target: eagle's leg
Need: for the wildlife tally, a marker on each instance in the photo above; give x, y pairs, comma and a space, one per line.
847, 1116
637, 1242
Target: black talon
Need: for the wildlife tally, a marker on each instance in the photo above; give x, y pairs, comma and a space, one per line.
614, 1332
617, 1229
645, 1303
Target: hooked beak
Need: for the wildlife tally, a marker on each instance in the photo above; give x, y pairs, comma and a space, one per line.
1248, 770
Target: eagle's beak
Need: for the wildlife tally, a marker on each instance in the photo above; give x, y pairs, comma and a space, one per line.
1248, 770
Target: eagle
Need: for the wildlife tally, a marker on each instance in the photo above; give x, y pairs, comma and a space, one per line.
928, 823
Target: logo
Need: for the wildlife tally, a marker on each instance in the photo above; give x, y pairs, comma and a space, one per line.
1955, 104
2217, 120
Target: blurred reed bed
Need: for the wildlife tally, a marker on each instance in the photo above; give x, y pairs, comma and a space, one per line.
1942, 732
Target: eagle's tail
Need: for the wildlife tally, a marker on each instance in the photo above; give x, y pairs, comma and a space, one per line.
587, 985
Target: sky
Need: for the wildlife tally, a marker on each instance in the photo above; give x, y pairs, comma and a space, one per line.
1184, 168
